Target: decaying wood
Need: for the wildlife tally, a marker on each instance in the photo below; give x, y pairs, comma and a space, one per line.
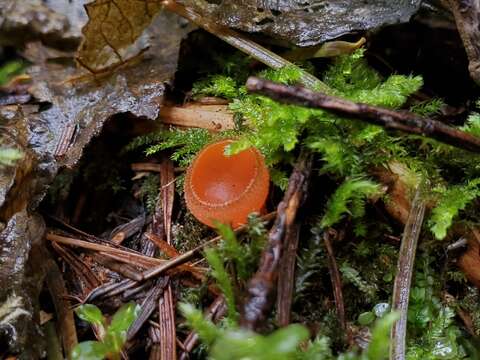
335, 277
211, 117
63, 309
162, 222
467, 18
286, 275
262, 285
396, 120
403, 278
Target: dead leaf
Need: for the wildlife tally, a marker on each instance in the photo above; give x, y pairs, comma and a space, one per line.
80, 109
112, 29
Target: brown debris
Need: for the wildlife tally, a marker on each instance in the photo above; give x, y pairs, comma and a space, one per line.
286, 275
261, 286
335, 277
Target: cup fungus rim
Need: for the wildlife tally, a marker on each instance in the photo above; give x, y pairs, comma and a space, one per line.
257, 156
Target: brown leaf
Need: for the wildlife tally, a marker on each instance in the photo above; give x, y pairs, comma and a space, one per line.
112, 29
79, 109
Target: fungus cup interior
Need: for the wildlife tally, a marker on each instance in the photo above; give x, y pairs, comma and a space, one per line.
226, 188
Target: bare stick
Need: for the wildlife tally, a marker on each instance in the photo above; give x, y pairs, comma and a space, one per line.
335, 278
261, 286
403, 279
286, 275
397, 120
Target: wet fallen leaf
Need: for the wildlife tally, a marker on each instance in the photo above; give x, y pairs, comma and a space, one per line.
81, 107
112, 29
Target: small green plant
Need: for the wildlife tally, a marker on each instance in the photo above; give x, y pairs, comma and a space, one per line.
451, 201
10, 69
113, 335
349, 198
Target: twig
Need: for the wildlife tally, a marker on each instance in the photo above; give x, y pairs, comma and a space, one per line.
467, 18
286, 275
125, 270
88, 278
154, 335
335, 278
168, 347
397, 120
101, 248
147, 307
162, 222
54, 349
262, 284
403, 279
242, 43
66, 323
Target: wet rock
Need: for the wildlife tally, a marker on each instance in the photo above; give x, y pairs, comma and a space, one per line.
54, 22
307, 22
21, 278
70, 108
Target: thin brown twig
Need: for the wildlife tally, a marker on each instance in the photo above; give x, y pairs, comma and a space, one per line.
286, 275
101, 248
162, 221
403, 279
148, 307
335, 277
65, 319
396, 120
81, 270
261, 286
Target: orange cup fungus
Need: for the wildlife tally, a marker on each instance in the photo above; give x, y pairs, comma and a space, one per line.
226, 188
